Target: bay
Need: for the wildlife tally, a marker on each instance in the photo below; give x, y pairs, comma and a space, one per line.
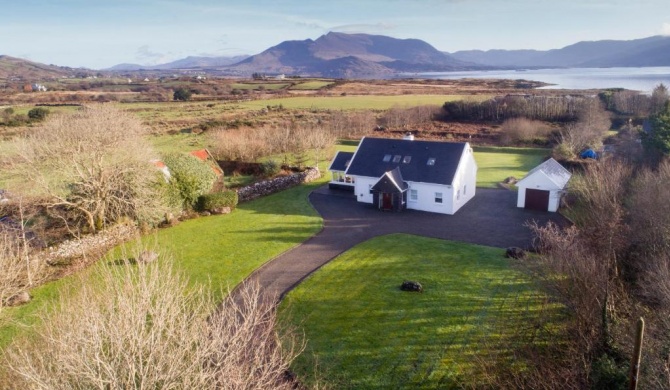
638, 79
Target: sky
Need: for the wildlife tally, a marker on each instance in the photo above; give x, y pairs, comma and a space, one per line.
101, 33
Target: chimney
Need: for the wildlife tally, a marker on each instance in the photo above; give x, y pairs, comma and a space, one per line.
408, 136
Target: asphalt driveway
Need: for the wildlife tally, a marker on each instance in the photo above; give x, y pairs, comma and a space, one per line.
491, 218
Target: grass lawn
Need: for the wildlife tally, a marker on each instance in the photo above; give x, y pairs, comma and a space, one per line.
363, 332
221, 250
495, 164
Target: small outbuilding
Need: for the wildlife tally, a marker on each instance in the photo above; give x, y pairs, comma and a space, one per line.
542, 188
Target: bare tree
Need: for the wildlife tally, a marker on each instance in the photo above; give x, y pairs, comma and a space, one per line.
144, 327
589, 129
20, 268
523, 130
95, 162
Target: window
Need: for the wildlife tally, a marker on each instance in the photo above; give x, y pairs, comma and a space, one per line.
407, 159
465, 189
387, 158
396, 158
370, 187
438, 197
413, 195
458, 195
431, 161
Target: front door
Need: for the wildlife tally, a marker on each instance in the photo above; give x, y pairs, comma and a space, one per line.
387, 201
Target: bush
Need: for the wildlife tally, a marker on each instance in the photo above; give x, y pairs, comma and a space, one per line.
190, 176
182, 94
38, 114
217, 200
270, 168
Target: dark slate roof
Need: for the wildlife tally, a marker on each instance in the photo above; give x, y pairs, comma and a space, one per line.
340, 161
369, 159
391, 182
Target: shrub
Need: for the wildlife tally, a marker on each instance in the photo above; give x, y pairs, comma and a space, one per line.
38, 113
190, 176
182, 94
217, 200
270, 168
147, 327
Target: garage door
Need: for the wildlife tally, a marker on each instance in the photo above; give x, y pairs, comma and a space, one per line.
537, 199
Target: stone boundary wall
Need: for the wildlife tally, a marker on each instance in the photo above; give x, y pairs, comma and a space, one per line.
267, 187
89, 245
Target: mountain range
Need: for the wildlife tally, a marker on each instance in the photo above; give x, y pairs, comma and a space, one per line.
191, 62
340, 55
18, 68
652, 51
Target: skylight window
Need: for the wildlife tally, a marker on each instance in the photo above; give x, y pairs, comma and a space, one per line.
396, 158
407, 159
387, 158
431, 161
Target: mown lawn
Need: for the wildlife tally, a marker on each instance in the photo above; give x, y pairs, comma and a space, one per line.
495, 164
363, 332
219, 250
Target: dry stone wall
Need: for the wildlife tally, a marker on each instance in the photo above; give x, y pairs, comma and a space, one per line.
267, 187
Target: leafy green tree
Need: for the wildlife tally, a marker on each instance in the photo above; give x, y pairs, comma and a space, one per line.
659, 137
190, 176
182, 94
38, 114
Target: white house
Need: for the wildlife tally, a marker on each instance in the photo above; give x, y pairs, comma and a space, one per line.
395, 174
542, 188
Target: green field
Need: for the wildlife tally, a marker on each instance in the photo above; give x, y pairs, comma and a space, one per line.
495, 164
313, 85
354, 102
259, 86
363, 332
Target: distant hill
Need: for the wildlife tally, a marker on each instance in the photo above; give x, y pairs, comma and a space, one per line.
652, 51
350, 55
190, 62
17, 69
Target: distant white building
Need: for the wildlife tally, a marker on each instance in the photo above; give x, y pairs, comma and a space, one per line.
542, 188
39, 88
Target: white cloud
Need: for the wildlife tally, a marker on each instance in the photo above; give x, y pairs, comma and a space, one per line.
665, 29
149, 57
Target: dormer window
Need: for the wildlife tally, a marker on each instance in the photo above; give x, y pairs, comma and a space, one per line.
387, 158
431, 161
407, 159
396, 158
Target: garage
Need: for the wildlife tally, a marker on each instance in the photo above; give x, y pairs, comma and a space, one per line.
537, 199
542, 188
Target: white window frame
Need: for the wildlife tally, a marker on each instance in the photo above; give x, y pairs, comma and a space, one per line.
439, 198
